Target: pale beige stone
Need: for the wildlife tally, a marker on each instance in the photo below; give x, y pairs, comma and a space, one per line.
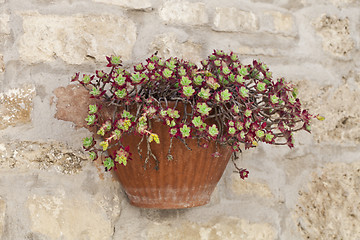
330, 207
16, 106
221, 228
335, 35
279, 22
131, 4
58, 217
249, 187
75, 38
27, 155
184, 12
2, 64
234, 20
4, 24
168, 45
336, 104
2, 216
249, 50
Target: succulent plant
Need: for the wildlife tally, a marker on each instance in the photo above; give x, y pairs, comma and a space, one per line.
222, 100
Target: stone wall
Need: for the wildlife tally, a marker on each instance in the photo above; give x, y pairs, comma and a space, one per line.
50, 190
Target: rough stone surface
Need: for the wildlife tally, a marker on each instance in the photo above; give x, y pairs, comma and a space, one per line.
249, 187
278, 22
335, 35
57, 217
131, 4
183, 12
16, 106
223, 228
27, 155
2, 64
4, 24
71, 104
342, 119
330, 207
234, 20
75, 38
168, 45
2, 216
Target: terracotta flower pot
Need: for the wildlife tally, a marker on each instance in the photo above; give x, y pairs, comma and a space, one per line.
186, 181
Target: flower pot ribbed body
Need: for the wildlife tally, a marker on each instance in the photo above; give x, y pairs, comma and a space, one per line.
186, 181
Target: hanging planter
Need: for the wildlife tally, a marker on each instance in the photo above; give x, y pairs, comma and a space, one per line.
169, 127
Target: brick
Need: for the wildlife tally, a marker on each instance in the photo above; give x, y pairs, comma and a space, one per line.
131, 4
72, 104
168, 45
183, 12
16, 106
329, 208
75, 38
335, 35
234, 20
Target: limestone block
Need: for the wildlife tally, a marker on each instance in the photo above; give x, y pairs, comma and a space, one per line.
75, 38
234, 20
131, 4
72, 104
335, 35
168, 45
27, 155
2, 64
2, 216
4, 24
183, 12
16, 106
221, 228
330, 207
336, 104
248, 187
57, 217
279, 23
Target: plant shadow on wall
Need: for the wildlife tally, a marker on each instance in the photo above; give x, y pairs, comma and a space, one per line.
169, 127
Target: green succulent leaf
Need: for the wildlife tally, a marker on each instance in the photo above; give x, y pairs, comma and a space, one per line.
232, 130
93, 156
226, 70
260, 133
120, 80
197, 122
185, 131
226, 95
269, 137
115, 60
121, 93
185, 81
204, 93
213, 130
261, 86
244, 92
243, 71
95, 91
136, 77
188, 91
88, 142
274, 99
240, 79
86, 79
203, 109
90, 119
198, 80
104, 145
93, 109
167, 73
108, 163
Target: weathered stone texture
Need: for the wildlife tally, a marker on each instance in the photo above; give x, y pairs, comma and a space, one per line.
131, 4
4, 24
330, 207
234, 20
75, 38
335, 35
2, 216
169, 46
2, 64
71, 104
338, 106
279, 23
183, 12
16, 106
57, 217
222, 228
26, 155
248, 187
